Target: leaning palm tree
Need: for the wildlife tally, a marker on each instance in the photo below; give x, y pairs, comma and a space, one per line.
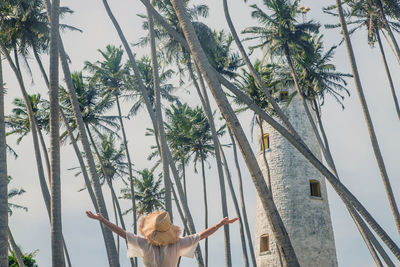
149, 193
367, 116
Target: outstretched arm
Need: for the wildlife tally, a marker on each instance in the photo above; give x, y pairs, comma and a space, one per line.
209, 231
115, 228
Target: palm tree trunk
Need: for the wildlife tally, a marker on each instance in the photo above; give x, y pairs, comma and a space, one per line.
3, 179
396, 102
205, 210
40, 64
108, 238
236, 204
44, 150
206, 106
16, 249
233, 123
55, 182
158, 115
184, 177
241, 198
128, 157
368, 120
153, 119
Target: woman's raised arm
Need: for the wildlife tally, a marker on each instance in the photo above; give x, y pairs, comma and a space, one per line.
209, 231
115, 228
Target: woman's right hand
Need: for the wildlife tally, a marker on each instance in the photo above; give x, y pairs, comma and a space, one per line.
98, 217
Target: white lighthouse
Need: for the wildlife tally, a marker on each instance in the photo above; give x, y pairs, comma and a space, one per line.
299, 192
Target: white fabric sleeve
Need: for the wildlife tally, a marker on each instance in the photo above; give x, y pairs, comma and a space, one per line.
134, 246
187, 245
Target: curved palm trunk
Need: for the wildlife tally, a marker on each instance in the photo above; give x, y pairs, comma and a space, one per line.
158, 115
206, 106
44, 150
241, 198
236, 204
3, 179
154, 122
16, 249
367, 117
394, 96
233, 123
108, 238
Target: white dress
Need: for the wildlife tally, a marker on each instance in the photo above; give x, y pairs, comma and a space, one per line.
166, 256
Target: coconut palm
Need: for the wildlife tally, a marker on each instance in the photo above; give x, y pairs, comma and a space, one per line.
111, 75
370, 126
367, 15
149, 193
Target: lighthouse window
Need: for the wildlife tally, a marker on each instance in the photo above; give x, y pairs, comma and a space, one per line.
284, 95
264, 243
315, 188
266, 141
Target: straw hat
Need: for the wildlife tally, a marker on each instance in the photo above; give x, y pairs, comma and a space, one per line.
158, 230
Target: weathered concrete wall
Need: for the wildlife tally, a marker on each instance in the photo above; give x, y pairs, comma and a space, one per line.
307, 219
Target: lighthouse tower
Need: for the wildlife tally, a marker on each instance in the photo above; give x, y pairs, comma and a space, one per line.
299, 192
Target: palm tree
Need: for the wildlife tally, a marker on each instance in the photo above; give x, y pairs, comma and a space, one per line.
13, 192
149, 193
368, 15
370, 126
112, 76
18, 121
3, 178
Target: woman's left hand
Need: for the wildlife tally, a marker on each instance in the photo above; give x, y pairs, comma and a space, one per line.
227, 221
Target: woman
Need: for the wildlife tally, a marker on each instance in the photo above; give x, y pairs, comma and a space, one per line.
160, 245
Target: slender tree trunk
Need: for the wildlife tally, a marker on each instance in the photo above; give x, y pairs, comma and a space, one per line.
16, 249
128, 157
205, 211
206, 106
392, 90
158, 114
233, 123
55, 181
241, 198
3, 179
153, 119
367, 116
108, 238
44, 149
236, 204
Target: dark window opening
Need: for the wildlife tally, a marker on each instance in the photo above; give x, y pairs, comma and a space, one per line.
315, 188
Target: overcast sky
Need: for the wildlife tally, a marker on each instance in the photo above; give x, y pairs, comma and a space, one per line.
346, 130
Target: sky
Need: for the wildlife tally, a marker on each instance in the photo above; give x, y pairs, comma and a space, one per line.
346, 130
